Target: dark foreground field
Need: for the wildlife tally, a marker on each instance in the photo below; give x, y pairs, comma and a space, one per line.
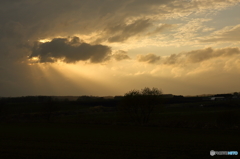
74, 130
61, 140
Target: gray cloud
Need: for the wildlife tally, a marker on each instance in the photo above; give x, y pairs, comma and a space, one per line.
194, 56
44, 19
120, 55
123, 31
172, 59
149, 58
70, 51
36, 19
23, 22
200, 55
162, 28
208, 53
61, 17
225, 35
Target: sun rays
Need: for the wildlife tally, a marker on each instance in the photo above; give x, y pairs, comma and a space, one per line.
64, 78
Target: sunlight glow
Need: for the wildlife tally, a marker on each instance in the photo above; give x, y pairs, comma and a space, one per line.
44, 40
62, 77
33, 60
85, 77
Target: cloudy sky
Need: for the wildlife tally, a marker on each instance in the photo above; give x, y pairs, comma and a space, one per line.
108, 47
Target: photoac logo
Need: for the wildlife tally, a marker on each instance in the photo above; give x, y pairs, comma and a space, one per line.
212, 152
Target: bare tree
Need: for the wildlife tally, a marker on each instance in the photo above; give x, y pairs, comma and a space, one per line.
139, 104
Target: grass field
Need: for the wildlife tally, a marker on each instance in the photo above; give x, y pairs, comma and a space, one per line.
52, 140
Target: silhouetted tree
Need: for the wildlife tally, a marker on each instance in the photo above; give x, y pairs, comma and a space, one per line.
139, 104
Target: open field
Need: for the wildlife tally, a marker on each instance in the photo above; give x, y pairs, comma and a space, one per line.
51, 140
172, 115
175, 115
69, 130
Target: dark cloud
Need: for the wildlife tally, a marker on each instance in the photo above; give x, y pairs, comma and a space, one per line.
70, 50
149, 58
121, 55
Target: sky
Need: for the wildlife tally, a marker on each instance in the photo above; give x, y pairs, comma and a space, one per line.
109, 47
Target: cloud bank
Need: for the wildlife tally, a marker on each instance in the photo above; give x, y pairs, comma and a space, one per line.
194, 56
